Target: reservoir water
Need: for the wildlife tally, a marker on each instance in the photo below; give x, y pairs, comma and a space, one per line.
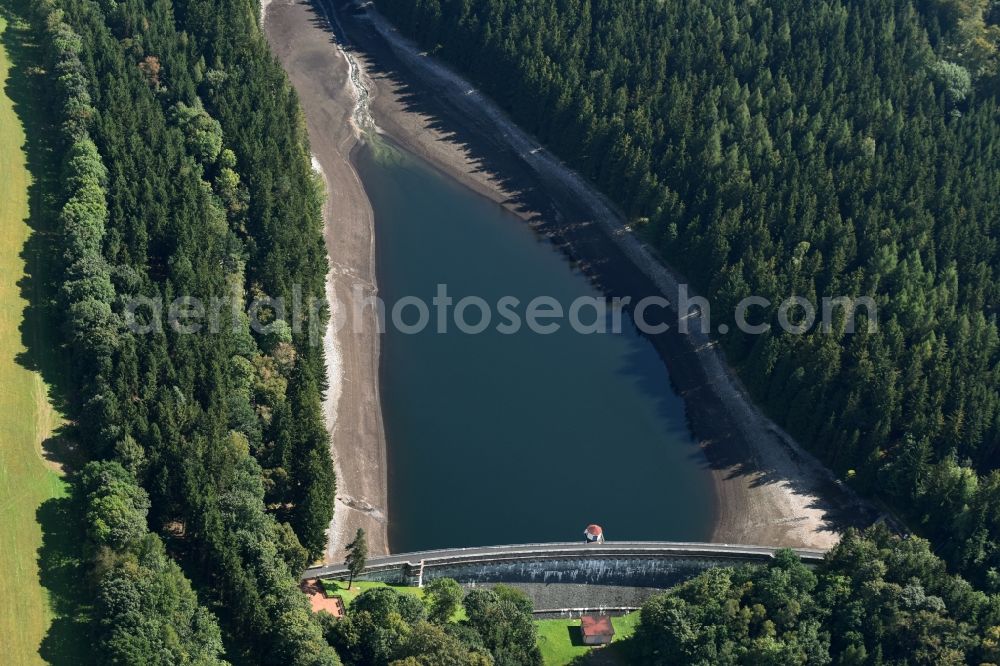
515, 437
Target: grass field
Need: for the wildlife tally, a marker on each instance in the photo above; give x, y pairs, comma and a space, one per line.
556, 639
27, 419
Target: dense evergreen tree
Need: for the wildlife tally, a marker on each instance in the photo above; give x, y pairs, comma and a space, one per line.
187, 175
357, 555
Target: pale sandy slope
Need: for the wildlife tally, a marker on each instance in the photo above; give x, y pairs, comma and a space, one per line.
320, 75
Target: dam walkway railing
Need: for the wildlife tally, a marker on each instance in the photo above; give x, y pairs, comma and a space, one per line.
622, 564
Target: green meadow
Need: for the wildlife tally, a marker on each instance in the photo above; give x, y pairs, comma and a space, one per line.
31, 484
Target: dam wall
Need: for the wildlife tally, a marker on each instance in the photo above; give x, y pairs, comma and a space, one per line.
565, 576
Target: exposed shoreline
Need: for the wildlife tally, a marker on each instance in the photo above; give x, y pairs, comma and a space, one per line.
321, 76
768, 490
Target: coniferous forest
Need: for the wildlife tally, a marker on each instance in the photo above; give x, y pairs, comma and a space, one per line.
813, 149
186, 173
785, 148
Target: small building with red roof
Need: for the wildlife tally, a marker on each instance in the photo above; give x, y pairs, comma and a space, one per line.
596, 629
594, 534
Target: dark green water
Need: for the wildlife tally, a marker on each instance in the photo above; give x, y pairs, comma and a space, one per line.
512, 438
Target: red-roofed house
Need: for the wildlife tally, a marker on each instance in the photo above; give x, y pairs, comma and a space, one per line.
596, 629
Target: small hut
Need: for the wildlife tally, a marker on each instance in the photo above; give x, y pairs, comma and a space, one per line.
596, 629
594, 534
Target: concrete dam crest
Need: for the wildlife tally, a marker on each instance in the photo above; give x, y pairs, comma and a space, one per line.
567, 578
